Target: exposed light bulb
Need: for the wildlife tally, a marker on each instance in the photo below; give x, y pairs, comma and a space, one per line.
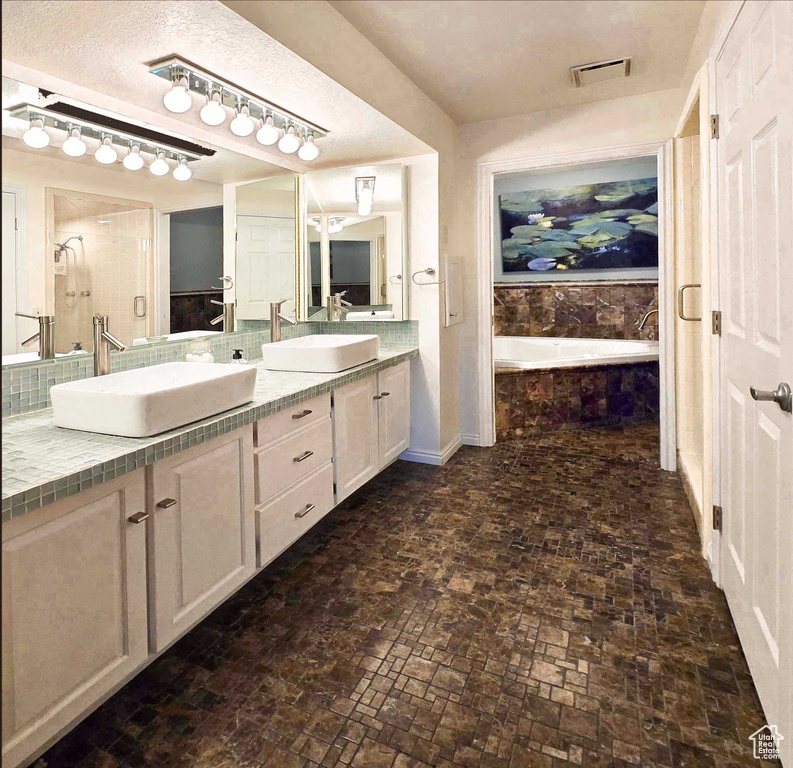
309, 151
335, 226
35, 136
160, 167
133, 161
319, 226
74, 146
242, 125
178, 98
182, 171
213, 113
364, 194
106, 154
289, 141
268, 134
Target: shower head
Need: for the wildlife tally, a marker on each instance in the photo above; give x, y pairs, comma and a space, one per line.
62, 245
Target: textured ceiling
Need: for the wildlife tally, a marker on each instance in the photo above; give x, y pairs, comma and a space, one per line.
484, 60
104, 47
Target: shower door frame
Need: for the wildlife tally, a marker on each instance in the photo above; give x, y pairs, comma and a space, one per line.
485, 251
49, 268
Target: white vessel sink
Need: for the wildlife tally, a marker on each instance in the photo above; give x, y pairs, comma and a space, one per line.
181, 336
377, 314
147, 401
321, 353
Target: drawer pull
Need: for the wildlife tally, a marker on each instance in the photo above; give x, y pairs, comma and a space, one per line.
138, 517
303, 456
377, 397
304, 512
307, 412
165, 503
385, 394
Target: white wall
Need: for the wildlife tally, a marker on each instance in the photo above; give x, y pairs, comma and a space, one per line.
36, 172
606, 124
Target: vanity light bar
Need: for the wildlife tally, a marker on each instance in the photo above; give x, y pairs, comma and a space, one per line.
183, 74
51, 119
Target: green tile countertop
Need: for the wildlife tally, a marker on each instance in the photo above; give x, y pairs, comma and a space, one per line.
43, 463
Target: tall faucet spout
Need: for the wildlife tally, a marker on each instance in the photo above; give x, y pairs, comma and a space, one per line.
113, 341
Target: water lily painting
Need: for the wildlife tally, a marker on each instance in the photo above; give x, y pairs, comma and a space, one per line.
610, 225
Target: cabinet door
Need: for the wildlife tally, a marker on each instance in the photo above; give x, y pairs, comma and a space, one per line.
355, 435
74, 610
202, 543
394, 421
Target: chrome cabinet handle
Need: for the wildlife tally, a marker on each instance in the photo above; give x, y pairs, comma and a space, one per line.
782, 396
135, 311
307, 412
680, 294
138, 517
165, 503
304, 512
385, 394
377, 397
303, 456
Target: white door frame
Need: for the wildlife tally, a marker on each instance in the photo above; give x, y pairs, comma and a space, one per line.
21, 289
485, 254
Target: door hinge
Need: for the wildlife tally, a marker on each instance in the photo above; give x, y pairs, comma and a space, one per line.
334, 489
16, 224
714, 126
717, 517
715, 322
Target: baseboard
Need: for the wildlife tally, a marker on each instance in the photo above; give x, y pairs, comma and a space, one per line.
431, 457
470, 439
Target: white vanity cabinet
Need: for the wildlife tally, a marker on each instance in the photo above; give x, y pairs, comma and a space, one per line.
371, 419
202, 537
74, 610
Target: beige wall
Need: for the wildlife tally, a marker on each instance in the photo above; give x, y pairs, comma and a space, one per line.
633, 120
35, 172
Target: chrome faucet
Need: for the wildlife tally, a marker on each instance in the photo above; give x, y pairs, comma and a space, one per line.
275, 320
227, 318
644, 319
45, 335
103, 340
337, 305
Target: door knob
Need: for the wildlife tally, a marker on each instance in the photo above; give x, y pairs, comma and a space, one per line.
782, 396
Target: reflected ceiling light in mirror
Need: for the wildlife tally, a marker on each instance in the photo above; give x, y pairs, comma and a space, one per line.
182, 171
106, 154
35, 136
268, 134
364, 194
133, 160
335, 225
74, 146
160, 167
309, 150
242, 125
289, 142
277, 124
213, 113
178, 98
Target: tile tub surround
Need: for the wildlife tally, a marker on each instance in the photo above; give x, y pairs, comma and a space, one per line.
571, 398
540, 604
43, 463
581, 310
26, 388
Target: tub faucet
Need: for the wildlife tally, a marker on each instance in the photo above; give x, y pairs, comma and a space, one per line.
275, 320
644, 319
103, 340
45, 335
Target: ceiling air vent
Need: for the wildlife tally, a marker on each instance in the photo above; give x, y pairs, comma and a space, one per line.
599, 71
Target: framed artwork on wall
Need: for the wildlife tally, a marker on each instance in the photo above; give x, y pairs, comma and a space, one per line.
600, 226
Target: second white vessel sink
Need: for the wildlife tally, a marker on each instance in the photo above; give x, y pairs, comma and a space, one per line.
147, 401
375, 314
321, 353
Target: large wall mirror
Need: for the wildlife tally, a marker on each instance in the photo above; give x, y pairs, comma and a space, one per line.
357, 242
140, 235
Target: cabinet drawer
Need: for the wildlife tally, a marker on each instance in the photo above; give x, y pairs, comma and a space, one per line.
290, 420
286, 518
290, 459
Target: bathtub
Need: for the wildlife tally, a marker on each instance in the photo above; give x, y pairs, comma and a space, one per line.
535, 352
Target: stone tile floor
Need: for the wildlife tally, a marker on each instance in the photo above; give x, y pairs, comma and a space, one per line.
538, 604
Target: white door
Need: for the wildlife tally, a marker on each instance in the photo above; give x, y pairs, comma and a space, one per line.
265, 265
9, 273
355, 435
754, 90
203, 529
394, 421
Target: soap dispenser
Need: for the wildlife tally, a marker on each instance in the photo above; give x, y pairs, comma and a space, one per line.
237, 358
